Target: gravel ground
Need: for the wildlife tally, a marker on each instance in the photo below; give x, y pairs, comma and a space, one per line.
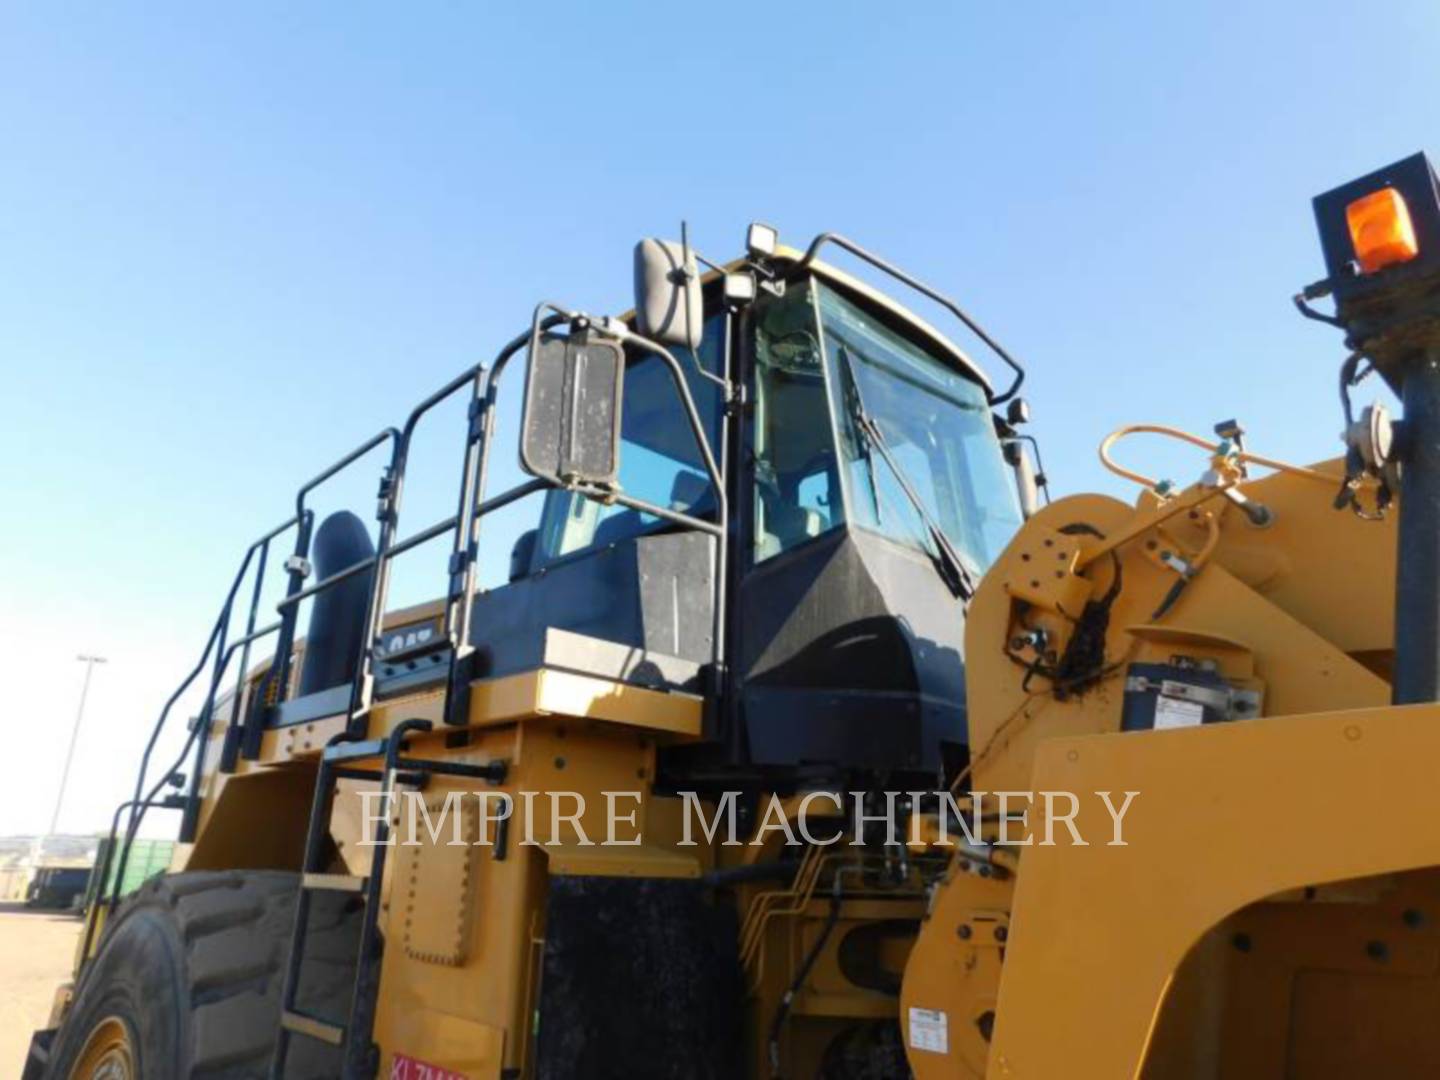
36, 949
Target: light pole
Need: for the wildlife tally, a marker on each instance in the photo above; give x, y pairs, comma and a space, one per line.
89, 662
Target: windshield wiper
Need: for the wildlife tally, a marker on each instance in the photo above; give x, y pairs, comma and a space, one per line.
950, 564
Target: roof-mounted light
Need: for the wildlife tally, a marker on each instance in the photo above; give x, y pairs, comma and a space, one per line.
1381, 230
761, 240
739, 289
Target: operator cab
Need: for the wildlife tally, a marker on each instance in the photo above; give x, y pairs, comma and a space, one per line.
867, 493
879, 496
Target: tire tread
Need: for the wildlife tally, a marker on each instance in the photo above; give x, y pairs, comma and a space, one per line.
235, 927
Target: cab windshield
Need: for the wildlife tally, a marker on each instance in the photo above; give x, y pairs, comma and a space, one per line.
936, 430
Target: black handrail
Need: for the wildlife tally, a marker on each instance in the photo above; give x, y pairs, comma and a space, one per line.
472, 507
199, 734
299, 565
217, 637
95, 892
925, 290
465, 524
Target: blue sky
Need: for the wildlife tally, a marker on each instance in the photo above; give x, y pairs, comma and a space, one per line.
235, 242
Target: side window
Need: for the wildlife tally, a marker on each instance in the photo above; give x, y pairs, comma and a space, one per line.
796, 483
660, 462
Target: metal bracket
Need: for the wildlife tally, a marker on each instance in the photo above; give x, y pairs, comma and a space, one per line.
385, 496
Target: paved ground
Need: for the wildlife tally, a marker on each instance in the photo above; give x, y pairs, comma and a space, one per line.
36, 948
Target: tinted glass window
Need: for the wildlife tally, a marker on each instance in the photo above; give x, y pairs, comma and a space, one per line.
936, 425
791, 435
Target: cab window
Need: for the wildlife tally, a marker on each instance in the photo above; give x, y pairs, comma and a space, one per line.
797, 486
934, 427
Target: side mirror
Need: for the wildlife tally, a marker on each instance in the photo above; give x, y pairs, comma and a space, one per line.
1017, 412
668, 306
1026, 485
570, 424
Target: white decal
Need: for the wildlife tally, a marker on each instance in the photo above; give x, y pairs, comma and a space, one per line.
1173, 713
929, 1030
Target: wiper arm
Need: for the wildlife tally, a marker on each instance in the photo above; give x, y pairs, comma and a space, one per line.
950, 564
855, 404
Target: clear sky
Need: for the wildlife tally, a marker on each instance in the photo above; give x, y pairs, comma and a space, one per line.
234, 242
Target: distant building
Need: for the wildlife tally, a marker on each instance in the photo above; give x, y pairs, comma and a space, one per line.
22, 856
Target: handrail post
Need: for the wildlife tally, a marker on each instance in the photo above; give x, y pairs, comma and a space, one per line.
465, 549
387, 513
278, 676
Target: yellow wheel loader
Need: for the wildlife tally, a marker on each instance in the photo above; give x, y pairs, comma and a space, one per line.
799, 739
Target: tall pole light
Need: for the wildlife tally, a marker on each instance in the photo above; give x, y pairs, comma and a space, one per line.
89, 662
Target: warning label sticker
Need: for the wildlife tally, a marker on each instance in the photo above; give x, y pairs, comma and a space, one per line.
929, 1030
1173, 713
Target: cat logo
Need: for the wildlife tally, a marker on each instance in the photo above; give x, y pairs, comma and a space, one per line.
408, 639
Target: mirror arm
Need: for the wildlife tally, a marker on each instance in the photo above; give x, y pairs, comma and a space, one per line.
538, 326
617, 329
1025, 486
692, 414
1042, 480
609, 495
706, 262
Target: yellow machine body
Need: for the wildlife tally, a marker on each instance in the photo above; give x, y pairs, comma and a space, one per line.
1181, 953
1205, 841
1272, 911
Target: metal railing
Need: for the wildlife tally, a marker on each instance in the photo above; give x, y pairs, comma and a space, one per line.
250, 712
217, 644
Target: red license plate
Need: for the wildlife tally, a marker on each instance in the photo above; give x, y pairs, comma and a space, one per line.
408, 1068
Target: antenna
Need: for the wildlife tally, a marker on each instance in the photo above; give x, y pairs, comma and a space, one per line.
686, 277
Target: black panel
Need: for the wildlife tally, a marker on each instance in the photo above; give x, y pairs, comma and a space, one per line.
650, 593
640, 981
834, 672
317, 706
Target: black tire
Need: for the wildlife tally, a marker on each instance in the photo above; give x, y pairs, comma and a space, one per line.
192, 965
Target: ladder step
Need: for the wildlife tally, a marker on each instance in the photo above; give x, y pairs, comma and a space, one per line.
333, 882
494, 771
354, 751
300, 1024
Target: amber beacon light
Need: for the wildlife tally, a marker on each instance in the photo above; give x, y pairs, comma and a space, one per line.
1381, 230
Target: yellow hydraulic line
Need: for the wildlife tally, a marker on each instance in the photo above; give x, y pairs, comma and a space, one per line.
1212, 539
1146, 520
1195, 440
753, 956
761, 907
1186, 500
